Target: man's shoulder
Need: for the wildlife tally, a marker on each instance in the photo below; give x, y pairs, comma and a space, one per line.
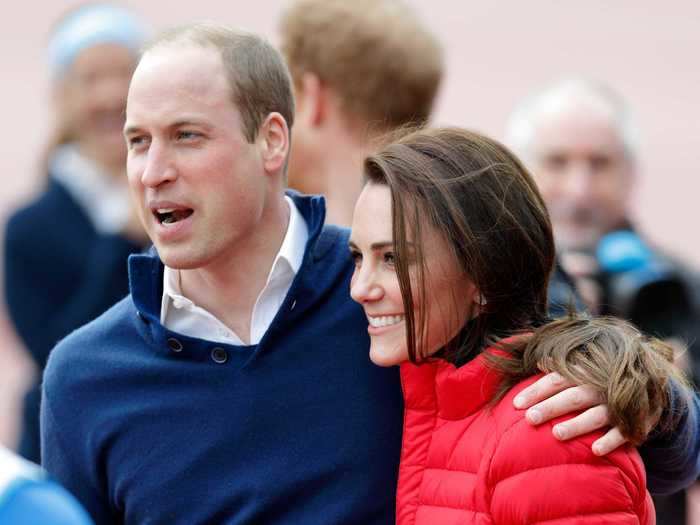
86, 348
38, 217
41, 207
332, 244
112, 322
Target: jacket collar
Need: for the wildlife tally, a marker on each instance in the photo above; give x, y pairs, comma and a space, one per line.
454, 393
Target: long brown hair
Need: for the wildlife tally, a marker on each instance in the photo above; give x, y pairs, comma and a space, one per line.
480, 197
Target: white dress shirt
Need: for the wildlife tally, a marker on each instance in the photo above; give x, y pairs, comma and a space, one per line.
180, 314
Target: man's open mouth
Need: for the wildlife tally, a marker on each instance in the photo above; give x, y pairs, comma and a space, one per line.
171, 215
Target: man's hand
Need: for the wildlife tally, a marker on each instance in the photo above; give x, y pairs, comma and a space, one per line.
553, 396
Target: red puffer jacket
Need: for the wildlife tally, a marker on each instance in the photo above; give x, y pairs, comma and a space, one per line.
465, 461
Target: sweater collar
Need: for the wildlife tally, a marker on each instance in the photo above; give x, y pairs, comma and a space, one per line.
454, 393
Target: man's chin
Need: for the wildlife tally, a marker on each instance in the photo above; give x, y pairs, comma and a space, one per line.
178, 259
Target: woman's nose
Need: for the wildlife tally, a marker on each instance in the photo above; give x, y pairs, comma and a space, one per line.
365, 286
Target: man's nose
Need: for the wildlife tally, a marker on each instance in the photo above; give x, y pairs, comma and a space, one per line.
579, 179
159, 167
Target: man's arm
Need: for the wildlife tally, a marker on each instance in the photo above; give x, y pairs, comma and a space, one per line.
71, 466
671, 458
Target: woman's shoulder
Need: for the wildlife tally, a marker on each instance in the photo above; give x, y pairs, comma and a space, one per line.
530, 456
518, 435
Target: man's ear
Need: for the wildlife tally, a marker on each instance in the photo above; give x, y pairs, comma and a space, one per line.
274, 140
311, 100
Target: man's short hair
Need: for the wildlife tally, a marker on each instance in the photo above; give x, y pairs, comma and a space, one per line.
562, 96
257, 75
384, 65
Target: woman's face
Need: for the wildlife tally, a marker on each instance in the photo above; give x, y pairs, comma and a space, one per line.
450, 297
92, 99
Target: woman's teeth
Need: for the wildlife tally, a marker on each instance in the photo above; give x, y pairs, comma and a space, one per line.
385, 320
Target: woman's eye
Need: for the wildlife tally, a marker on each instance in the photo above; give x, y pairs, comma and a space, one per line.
389, 258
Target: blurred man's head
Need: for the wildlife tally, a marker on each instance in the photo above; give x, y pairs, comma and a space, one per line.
207, 129
92, 54
359, 69
578, 139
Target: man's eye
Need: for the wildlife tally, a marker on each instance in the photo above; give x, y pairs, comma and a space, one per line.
187, 135
136, 141
600, 162
356, 257
556, 162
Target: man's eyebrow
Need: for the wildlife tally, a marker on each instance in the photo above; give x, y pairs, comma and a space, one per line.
128, 130
189, 122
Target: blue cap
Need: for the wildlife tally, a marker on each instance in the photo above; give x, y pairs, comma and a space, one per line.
92, 25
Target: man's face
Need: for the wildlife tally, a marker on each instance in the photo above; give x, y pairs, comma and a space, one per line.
198, 184
92, 97
584, 175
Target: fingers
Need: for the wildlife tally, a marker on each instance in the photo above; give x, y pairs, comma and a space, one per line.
540, 390
609, 442
552, 396
592, 419
570, 400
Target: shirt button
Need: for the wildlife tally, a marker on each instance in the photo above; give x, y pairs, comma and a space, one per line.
174, 345
219, 355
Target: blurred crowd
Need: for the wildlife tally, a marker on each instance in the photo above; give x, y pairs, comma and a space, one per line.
362, 72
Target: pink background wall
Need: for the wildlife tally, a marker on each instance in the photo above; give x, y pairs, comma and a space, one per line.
496, 53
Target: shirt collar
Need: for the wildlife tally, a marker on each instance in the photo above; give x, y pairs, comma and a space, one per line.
294, 243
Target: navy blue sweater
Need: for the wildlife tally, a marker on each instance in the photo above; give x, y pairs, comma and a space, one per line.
147, 426
59, 274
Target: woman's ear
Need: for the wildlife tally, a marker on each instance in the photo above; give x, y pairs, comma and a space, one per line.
479, 302
274, 139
